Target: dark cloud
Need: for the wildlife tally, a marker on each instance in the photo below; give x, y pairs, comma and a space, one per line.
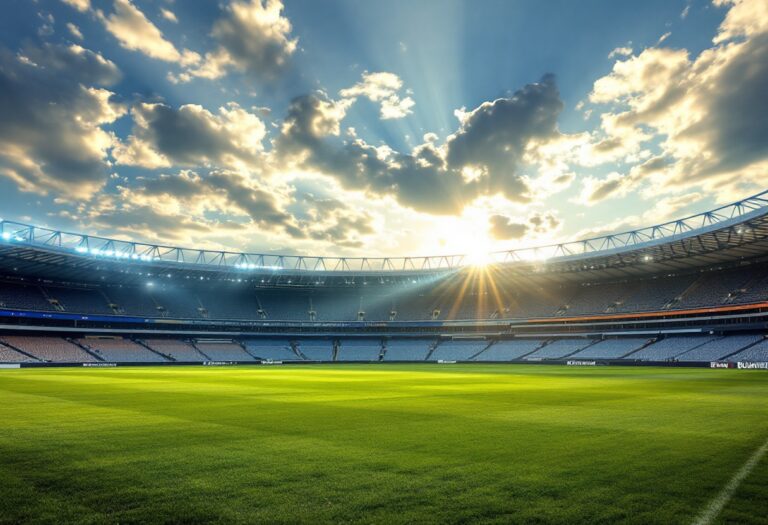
256, 37
734, 129
504, 228
494, 136
221, 191
491, 140
191, 136
52, 107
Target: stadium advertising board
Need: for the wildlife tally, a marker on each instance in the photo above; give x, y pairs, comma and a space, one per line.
581, 363
747, 364
720, 364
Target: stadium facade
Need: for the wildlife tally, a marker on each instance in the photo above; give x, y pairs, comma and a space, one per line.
690, 292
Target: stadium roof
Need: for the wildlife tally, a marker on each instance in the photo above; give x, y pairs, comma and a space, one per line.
726, 235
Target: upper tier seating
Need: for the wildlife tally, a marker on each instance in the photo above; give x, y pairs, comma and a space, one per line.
23, 297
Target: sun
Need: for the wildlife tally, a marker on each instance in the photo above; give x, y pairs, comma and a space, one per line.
478, 258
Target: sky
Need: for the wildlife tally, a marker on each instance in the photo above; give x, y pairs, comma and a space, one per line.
378, 128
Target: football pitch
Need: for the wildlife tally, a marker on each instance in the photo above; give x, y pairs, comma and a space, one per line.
383, 444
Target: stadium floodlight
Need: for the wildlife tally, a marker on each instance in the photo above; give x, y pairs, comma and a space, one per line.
6, 236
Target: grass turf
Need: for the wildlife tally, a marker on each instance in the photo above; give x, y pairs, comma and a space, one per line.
379, 444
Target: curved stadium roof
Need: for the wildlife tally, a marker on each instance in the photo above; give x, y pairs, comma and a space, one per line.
725, 235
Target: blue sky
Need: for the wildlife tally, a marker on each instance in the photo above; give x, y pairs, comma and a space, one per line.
382, 128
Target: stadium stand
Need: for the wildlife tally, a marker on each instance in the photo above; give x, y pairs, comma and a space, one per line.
119, 350
757, 352
49, 349
130, 300
457, 350
359, 350
509, 350
177, 350
223, 350
670, 347
688, 291
9, 355
273, 349
407, 349
316, 349
23, 297
611, 348
558, 349
80, 300
718, 348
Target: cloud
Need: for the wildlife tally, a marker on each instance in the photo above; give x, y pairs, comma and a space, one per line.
54, 106
481, 158
705, 113
383, 88
505, 228
134, 31
620, 52
226, 205
253, 38
168, 15
191, 136
494, 136
80, 5
75, 31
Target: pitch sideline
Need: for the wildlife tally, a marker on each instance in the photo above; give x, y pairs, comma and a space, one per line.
715, 506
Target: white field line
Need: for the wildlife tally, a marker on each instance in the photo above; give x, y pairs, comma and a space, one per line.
716, 505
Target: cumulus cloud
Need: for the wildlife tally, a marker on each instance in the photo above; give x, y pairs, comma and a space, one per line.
54, 105
80, 5
191, 135
382, 87
75, 31
226, 204
130, 26
253, 38
482, 157
504, 228
704, 112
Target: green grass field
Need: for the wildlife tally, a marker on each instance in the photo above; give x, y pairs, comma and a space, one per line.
380, 444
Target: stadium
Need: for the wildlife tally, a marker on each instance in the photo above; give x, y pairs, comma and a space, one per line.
384, 262
690, 292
